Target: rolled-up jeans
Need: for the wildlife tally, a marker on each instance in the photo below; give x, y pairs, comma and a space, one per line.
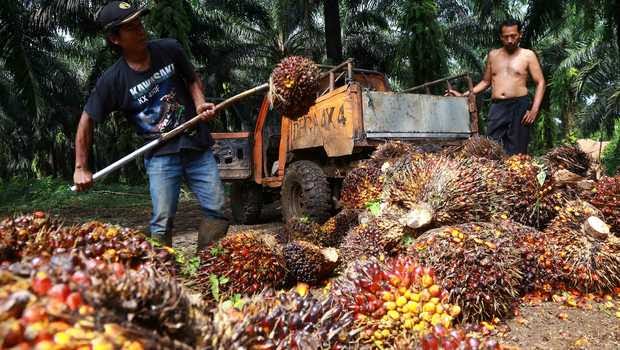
165, 173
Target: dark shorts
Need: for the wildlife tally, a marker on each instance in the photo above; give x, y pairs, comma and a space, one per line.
504, 124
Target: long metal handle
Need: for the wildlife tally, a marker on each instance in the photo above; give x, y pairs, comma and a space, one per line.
172, 134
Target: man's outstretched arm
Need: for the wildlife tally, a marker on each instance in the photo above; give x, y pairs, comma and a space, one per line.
482, 85
539, 79
82, 176
205, 109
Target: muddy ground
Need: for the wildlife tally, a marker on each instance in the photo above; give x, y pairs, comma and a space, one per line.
547, 325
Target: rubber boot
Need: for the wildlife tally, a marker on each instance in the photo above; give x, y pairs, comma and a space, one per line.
165, 239
211, 229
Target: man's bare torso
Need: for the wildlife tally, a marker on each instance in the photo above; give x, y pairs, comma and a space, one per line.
509, 72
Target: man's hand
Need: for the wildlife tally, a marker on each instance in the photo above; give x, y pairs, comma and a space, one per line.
83, 179
529, 117
451, 92
206, 111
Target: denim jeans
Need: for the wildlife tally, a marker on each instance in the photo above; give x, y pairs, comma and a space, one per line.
165, 172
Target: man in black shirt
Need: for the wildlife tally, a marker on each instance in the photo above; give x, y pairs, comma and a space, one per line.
154, 84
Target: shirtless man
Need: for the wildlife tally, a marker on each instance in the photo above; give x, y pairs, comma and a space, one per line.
507, 70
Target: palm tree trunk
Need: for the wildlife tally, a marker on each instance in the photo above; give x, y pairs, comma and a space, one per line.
333, 40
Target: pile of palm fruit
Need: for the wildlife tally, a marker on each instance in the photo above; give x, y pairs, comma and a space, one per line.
428, 247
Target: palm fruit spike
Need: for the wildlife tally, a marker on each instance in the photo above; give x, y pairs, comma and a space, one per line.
536, 201
362, 185
280, 320
335, 229
584, 255
17, 233
309, 263
606, 197
448, 191
477, 264
570, 158
380, 236
245, 262
144, 297
482, 147
391, 151
394, 299
304, 229
293, 86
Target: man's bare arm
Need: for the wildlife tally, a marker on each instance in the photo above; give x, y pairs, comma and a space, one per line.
538, 77
205, 109
482, 85
82, 176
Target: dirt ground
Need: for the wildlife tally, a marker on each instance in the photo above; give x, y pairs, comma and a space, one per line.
547, 325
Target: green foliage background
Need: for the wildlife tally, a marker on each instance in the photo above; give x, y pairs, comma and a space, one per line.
52, 53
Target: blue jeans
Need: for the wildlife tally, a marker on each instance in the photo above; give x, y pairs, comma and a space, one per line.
165, 172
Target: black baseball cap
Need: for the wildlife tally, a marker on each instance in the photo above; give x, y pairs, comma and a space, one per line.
116, 13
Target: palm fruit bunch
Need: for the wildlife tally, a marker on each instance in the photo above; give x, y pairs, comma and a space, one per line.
536, 201
280, 320
145, 298
379, 237
309, 263
584, 255
569, 158
362, 185
482, 147
17, 233
606, 197
335, 229
477, 264
392, 300
245, 262
535, 262
293, 86
392, 151
437, 190
38, 234
441, 338
302, 228
42, 309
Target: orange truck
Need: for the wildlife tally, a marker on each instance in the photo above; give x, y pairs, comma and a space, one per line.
303, 161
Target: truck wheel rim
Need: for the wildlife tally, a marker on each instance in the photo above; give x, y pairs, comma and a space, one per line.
296, 199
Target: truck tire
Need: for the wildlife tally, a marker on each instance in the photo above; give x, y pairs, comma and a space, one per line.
306, 192
246, 202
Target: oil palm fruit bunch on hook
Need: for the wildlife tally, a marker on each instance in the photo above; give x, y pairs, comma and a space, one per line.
293, 86
333, 231
482, 147
245, 262
436, 190
585, 255
145, 298
477, 263
362, 185
536, 201
606, 197
393, 299
309, 263
569, 158
280, 320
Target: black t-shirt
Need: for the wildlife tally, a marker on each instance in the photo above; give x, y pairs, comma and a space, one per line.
154, 101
